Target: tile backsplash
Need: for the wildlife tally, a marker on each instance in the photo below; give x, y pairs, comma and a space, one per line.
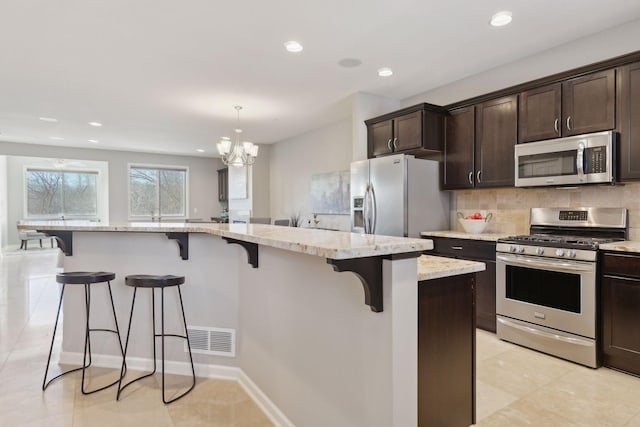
510, 206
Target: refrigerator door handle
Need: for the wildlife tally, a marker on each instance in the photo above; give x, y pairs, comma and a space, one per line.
374, 210
365, 210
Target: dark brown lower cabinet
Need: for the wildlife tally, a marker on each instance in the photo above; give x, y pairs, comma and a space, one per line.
620, 308
481, 251
446, 352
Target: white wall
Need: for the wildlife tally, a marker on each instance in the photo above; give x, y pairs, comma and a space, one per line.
3, 202
203, 177
260, 181
295, 160
598, 47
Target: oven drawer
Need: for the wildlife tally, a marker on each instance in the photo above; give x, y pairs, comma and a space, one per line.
621, 265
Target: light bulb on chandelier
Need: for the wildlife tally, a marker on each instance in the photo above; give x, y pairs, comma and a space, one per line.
235, 153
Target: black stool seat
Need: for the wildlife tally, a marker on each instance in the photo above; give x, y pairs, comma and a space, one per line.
83, 277
89, 280
151, 281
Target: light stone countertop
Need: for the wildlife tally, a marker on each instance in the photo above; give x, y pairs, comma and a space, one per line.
323, 243
434, 267
632, 246
462, 235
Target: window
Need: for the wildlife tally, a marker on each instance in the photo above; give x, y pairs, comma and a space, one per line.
54, 193
157, 191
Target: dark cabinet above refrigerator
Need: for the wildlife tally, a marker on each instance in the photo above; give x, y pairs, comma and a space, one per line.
416, 130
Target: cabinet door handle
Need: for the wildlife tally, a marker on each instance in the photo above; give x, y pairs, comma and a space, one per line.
555, 126
456, 248
395, 145
389, 144
471, 177
478, 177
569, 123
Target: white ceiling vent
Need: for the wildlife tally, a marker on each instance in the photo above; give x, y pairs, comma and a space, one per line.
213, 341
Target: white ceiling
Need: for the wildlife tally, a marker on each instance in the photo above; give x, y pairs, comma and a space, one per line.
163, 76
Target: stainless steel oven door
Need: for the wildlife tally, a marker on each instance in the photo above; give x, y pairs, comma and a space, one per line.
555, 293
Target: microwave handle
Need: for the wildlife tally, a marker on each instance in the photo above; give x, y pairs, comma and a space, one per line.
580, 161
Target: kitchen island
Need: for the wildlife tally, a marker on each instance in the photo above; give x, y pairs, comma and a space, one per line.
307, 348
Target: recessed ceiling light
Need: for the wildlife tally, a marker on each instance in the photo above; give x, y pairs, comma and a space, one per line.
293, 46
385, 72
501, 19
56, 138
200, 150
93, 141
48, 119
96, 124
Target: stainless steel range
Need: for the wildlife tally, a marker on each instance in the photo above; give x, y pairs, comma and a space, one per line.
546, 280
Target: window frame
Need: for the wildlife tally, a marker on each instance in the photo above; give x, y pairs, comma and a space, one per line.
181, 168
25, 193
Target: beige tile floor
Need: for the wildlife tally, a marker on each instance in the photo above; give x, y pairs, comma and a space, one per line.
515, 386
521, 387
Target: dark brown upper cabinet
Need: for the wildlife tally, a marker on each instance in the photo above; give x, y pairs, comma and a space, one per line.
407, 132
223, 184
540, 114
576, 106
588, 103
458, 168
380, 136
414, 130
496, 136
628, 96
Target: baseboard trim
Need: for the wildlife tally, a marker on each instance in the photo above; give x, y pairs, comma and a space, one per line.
232, 373
274, 413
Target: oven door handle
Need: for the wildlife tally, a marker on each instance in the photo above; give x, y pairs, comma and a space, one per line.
551, 265
544, 334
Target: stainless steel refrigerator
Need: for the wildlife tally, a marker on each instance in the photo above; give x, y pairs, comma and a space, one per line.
397, 196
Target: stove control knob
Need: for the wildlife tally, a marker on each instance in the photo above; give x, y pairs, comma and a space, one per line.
519, 249
512, 248
571, 253
539, 251
559, 252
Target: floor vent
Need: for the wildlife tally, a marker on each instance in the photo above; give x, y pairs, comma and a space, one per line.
213, 341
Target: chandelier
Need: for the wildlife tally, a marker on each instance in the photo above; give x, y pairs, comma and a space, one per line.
236, 153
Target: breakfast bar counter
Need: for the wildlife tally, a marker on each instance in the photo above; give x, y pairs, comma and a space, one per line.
304, 345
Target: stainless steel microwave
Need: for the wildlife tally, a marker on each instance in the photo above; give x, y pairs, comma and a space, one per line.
582, 159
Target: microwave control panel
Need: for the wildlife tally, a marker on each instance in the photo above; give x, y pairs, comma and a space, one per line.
596, 160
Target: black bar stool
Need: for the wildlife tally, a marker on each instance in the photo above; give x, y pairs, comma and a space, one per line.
87, 279
154, 282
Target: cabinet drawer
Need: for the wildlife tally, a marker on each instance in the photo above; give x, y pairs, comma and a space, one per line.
621, 265
464, 248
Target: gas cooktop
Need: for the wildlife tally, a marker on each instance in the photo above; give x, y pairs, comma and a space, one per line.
560, 241
573, 228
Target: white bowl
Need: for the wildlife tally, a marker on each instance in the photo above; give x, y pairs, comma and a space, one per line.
473, 226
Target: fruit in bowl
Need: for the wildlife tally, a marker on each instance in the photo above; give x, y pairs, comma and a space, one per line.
476, 215
475, 223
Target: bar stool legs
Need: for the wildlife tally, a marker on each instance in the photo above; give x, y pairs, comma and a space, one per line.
89, 278
154, 282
